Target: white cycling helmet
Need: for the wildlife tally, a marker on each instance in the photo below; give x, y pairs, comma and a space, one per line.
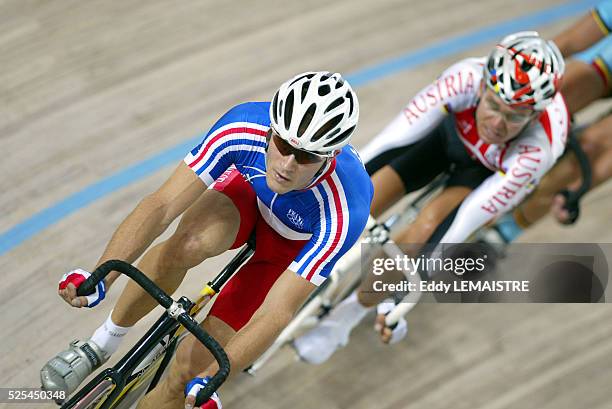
525, 69
315, 112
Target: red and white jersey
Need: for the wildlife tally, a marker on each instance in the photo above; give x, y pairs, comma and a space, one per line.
519, 164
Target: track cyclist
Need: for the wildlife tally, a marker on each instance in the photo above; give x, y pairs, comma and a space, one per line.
588, 78
282, 171
496, 125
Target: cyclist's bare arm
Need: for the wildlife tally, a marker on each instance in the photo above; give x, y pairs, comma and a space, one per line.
283, 300
287, 294
148, 220
152, 216
584, 33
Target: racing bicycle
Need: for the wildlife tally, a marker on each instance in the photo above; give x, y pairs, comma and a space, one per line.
141, 368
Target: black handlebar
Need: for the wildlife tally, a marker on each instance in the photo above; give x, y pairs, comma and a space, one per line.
89, 285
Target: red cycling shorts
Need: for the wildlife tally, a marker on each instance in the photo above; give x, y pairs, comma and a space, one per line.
247, 289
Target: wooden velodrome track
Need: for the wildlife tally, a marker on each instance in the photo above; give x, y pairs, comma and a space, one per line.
88, 89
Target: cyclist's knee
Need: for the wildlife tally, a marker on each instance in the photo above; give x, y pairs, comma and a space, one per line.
186, 249
427, 222
365, 298
192, 357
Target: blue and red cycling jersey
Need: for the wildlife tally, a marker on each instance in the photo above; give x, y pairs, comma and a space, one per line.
329, 214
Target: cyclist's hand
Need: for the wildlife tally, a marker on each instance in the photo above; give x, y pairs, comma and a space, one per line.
558, 209
383, 330
191, 390
389, 335
68, 287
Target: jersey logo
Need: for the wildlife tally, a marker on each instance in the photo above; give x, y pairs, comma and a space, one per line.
465, 126
295, 218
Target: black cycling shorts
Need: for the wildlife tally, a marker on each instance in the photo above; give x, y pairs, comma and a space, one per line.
440, 151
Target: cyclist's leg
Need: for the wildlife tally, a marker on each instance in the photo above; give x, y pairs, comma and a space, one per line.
232, 309
333, 332
402, 170
209, 227
213, 214
191, 358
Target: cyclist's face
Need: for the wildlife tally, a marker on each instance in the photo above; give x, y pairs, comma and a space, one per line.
287, 168
497, 122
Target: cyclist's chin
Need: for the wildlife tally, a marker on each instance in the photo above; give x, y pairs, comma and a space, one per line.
279, 187
492, 139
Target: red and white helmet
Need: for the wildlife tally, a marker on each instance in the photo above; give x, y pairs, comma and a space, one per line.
315, 112
525, 69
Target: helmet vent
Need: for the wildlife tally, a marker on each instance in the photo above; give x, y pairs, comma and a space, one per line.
351, 102
331, 124
306, 119
340, 137
274, 108
288, 109
324, 90
305, 87
339, 83
335, 104
299, 78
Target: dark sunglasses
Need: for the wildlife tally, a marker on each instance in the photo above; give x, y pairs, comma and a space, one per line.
302, 157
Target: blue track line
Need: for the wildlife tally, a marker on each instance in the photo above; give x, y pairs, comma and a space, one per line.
21, 232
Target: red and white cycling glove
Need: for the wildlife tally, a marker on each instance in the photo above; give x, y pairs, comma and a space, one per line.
196, 385
77, 277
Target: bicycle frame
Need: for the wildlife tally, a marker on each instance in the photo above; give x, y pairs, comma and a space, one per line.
119, 380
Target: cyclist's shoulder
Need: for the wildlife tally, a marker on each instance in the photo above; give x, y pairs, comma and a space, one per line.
472, 66
554, 122
246, 114
349, 163
458, 85
354, 178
